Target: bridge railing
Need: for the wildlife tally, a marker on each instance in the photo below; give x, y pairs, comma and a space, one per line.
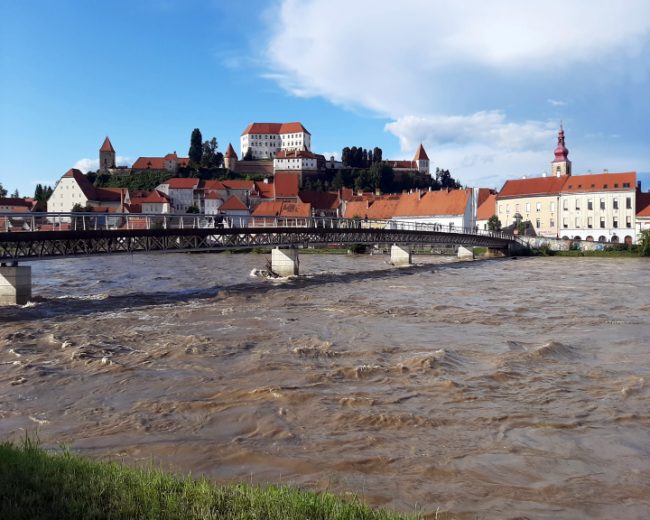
31, 222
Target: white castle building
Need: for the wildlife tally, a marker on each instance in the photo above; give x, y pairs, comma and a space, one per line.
265, 140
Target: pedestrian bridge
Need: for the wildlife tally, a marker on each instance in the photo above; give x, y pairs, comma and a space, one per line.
42, 236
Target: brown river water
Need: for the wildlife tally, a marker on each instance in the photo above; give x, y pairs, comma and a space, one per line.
492, 389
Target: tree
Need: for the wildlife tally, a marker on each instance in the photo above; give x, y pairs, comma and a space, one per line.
381, 176
644, 243
370, 157
493, 223
248, 156
345, 156
193, 209
211, 158
3, 192
445, 180
337, 183
196, 147
376, 154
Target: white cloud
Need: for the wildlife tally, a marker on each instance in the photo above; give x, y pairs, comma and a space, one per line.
398, 58
557, 102
91, 165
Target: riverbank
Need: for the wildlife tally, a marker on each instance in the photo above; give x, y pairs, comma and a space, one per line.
38, 484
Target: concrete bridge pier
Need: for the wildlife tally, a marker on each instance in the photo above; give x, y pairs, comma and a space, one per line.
400, 255
15, 284
493, 252
285, 262
465, 253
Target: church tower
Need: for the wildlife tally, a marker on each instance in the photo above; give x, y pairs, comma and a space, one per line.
106, 156
561, 166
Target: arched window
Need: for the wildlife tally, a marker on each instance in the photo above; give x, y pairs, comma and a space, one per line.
577, 237
602, 238
565, 237
628, 240
589, 238
614, 240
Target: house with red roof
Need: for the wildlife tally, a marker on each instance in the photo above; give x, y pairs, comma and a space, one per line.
279, 213
323, 203
265, 140
180, 191
642, 212
486, 210
170, 163
151, 202
235, 212
419, 163
14, 205
75, 188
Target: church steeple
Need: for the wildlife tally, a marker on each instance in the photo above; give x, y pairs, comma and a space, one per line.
561, 164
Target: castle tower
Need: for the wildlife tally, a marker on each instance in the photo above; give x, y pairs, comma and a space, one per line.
230, 158
106, 156
561, 164
421, 159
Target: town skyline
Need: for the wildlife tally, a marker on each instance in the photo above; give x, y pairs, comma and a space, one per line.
68, 85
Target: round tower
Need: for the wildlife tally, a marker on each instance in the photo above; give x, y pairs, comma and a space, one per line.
230, 158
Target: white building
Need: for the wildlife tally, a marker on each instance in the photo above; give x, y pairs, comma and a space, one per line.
75, 188
265, 140
181, 192
294, 160
599, 207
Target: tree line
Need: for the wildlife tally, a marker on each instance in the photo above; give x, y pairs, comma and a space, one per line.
357, 157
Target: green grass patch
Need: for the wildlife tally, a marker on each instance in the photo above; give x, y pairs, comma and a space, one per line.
38, 484
606, 253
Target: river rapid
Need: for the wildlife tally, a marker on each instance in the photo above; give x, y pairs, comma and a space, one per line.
491, 389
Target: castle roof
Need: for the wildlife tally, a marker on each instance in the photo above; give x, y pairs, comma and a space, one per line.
107, 146
421, 154
230, 152
275, 128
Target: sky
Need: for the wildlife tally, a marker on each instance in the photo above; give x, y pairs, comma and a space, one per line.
483, 85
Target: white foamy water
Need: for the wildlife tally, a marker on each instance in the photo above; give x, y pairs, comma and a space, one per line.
495, 389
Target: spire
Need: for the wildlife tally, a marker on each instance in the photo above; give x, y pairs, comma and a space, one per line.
107, 146
230, 152
561, 151
420, 154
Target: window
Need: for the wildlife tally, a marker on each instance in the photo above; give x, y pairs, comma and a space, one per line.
590, 222
628, 202
508, 208
517, 208
538, 207
602, 203
616, 185
602, 222
628, 221
565, 222
527, 207
578, 204
615, 203
552, 224
577, 222
537, 223
566, 204
626, 184
552, 207
605, 186
590, 204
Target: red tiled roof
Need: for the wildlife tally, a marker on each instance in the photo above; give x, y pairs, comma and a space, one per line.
230, 152
294, 154
233, 204
286, 185
487, 208
600, 182
275, 128
212, 185
16, 202
265, 189
535, 186
420, 154
357, 208
239, 185
154, 197
321, 199
212, 195
347, 193
643, 204
283, 209
107, 146
158, 163
182, 183
483, 194
402, 165
111, 194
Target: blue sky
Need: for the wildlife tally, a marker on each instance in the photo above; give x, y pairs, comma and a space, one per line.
483, 85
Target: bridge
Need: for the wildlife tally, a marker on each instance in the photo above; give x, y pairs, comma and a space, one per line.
41, 236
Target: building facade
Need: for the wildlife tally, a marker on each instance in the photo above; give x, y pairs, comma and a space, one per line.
265, 140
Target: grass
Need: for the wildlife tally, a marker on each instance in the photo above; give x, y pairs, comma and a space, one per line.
38, 484
605, 253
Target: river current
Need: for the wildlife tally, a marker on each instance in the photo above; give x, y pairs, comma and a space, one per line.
492, 389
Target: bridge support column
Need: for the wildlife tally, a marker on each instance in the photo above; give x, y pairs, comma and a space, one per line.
465, 254
285, 262
15, 284
493, 252
400, 255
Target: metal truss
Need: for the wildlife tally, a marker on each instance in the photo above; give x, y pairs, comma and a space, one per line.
15, 246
